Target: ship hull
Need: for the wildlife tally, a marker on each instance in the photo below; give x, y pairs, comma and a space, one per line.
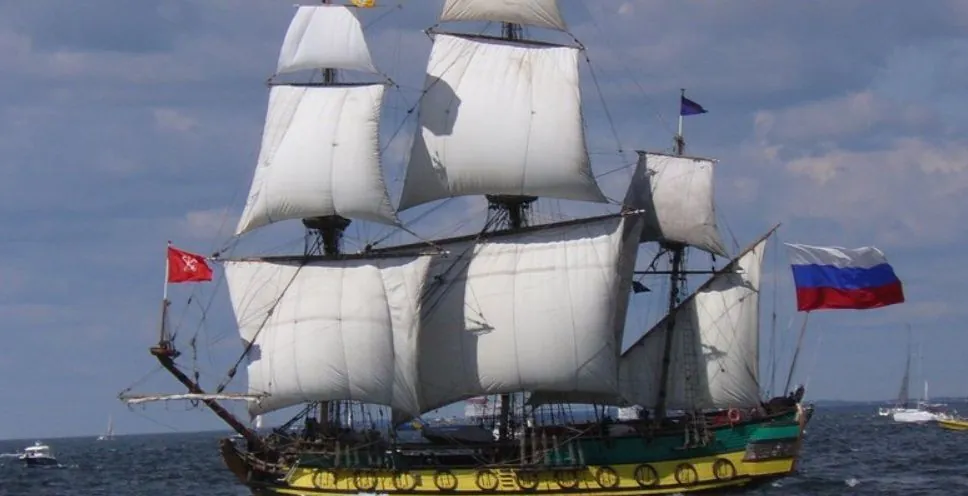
739, 456
39, 461
700, 475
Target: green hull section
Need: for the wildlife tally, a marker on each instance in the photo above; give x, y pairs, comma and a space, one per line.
726, 439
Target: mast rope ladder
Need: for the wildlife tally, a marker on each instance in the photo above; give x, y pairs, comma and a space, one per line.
697, 432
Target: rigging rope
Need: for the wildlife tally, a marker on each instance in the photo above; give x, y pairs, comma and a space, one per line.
140, 381
605, 39
601, 96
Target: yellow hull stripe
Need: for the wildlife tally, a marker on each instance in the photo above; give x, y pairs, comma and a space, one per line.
664, 477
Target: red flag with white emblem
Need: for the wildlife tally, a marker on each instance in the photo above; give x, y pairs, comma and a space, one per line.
187, 267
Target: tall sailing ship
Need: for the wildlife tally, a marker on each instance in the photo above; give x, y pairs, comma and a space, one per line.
532, 315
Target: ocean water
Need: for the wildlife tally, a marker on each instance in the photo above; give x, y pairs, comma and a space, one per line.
846, 451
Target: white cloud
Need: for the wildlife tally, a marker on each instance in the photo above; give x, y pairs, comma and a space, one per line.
839, 118
168, 119
911, 192
210, 225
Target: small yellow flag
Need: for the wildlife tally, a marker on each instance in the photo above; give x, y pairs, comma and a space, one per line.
364, 4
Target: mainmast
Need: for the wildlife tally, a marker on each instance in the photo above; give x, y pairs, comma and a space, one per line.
500, 117
508, 212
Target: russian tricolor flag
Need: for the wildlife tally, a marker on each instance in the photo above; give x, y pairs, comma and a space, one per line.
843, 278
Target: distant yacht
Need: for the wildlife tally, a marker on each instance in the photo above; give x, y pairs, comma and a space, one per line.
109, 434
923, 413
38, 454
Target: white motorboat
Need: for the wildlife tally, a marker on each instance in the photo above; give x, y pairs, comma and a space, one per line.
37, 455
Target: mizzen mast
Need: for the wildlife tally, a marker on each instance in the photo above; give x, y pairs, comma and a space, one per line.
677, 282
697, 431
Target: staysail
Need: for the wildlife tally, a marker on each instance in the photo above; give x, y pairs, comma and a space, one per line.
515, 311
500, 116
320, 152
723, 318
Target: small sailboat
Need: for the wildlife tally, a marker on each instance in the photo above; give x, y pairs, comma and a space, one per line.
923, 411
109, 433
38, 455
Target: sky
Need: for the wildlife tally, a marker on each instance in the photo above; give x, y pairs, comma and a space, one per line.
125, 124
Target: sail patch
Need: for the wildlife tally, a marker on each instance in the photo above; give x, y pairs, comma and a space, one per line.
329, 330
499, 117
553, 302
324, 37
676, 193
320, 156
717, 330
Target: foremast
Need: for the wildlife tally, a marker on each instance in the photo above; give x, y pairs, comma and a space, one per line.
319, 160
324, 236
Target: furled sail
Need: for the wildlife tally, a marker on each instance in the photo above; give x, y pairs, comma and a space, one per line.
542, 308
320, 152
677, 194
329, 330
540, 13
324, 36
499, 117
719, 327
135, 399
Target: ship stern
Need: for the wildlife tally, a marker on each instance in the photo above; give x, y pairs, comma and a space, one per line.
773, 450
